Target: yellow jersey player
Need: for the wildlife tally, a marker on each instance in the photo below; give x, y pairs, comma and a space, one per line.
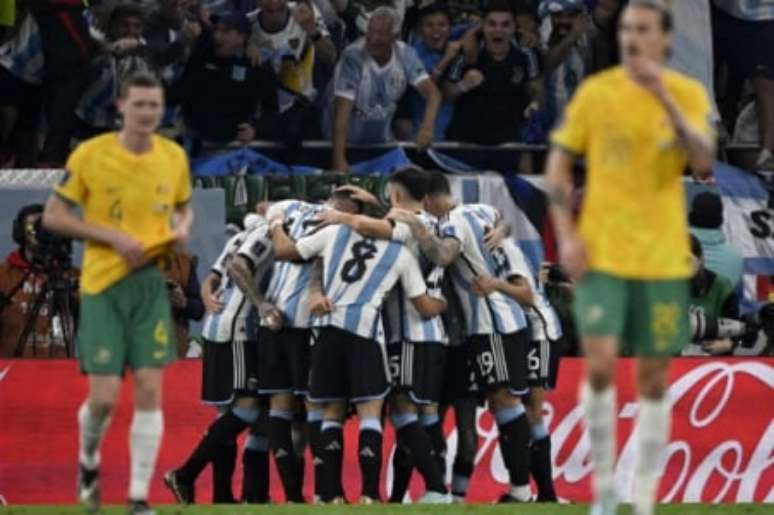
637, 126
133, 190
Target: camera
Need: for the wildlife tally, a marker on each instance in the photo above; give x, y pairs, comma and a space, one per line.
556, 274
703, 328
50, 251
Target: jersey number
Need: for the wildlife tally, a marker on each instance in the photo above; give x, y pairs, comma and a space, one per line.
354, 268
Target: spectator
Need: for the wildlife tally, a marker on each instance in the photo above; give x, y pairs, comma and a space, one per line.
497, 93
184, 296
569, 50
292, 36
170, 31
223, 96
370, 78
293, 39
21, 77
713, 296
706, 220
68, 50
228, 6
124, 53
437, 46
28, 291
357, 13
744, 38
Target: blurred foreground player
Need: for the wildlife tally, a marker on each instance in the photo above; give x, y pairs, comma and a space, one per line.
133, 189
630, 251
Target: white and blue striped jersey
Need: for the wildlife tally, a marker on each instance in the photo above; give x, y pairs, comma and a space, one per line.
374, 90
496, 313
357, 274
22, 55
288, 288
511, 262
236, 321
411, 325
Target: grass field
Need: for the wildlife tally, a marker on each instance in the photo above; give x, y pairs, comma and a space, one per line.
467, 509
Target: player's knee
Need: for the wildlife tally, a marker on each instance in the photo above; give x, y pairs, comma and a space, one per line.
370, 409
652, 377
102, 406
402, 404
147, 397
502, 398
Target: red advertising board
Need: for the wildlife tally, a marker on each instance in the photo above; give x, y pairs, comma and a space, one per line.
721, 448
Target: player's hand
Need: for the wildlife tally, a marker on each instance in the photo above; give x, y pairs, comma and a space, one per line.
424, 136
359, 194
319, 304
180, 236
484, 285
330, 217
494, 237
648, 74
212, 303
545, 266
129, 249
572, 256
245, 132
405, 216
271, 315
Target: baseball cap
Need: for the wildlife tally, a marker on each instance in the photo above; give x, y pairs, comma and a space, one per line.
706, 211
234, 20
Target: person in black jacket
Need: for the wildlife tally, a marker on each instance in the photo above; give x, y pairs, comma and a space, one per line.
222, 95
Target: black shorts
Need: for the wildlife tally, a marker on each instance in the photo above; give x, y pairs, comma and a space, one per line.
745, 45
228, 371
543, 363
347, 367
501, 360
283, 360
459, 377
417, 369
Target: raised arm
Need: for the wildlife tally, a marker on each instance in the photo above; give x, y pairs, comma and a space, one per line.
241, 272
441, 251
367, 226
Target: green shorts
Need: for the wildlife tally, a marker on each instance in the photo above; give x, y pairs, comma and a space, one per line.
649, 317
128, 324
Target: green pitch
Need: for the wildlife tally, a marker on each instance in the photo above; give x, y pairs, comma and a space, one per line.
467, 509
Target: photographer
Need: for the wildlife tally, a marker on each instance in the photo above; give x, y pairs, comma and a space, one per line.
38, 293
560, 292
712, 298
184, 296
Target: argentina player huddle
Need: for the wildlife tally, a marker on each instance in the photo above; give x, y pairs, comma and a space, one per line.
319, 310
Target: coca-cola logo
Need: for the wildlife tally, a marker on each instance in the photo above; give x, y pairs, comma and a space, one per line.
721, 447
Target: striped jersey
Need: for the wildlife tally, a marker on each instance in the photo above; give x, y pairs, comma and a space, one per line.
288, 288
236, 322
750, 10
413, 327
373, 89
357, 274
496, 313
511, 262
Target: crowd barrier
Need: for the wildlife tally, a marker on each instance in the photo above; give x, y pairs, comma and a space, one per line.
721, 447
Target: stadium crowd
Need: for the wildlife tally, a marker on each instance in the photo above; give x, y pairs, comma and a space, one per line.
354, 71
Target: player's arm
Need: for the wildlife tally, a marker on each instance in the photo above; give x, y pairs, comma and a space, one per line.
364, 225
515, 287
319, 304
58, 217
441, 251
243, 273
284, 248
209, 294
432, 96
183, 221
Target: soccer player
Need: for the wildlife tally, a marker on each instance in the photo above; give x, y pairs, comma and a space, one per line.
229, 374
416, 346
283, 356
637, 126
498, 335
133, 189
348, 359
514, 278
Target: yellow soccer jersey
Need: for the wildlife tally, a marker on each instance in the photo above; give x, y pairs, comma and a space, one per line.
633, 217
135, 194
